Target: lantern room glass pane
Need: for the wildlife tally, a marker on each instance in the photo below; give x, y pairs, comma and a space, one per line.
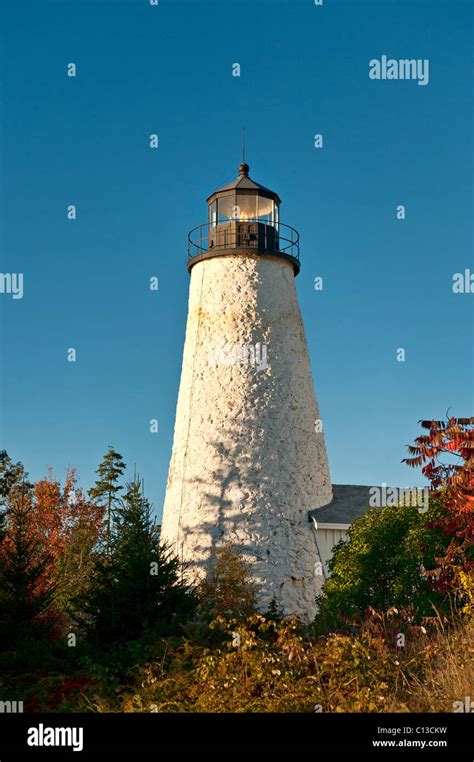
265, 210
236, 207
225, 206
213, 214
246, 207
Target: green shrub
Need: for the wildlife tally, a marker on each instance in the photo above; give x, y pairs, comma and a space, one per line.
382, 564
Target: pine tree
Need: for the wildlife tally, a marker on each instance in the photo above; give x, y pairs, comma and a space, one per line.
107, 488
13, 478
3, 524
25, 595
138, 587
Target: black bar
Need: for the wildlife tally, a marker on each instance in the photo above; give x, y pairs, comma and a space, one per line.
105, 734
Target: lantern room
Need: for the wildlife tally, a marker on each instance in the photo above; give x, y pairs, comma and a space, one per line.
244, 218
243, 200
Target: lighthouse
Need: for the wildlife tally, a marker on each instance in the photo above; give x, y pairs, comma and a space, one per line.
249, 461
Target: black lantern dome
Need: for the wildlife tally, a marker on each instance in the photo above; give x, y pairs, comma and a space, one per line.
243, 218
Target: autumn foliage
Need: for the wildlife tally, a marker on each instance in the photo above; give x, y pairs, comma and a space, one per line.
91, 564
454, 480
446, 454
49, 536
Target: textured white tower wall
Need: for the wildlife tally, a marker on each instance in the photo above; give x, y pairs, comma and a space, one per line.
247, 462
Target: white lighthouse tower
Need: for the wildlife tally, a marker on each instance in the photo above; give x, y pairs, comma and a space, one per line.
248, 459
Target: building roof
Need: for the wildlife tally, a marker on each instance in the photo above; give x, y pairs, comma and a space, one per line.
243, 182
349, 502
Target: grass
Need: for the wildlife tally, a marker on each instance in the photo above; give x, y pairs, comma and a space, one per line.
449, 673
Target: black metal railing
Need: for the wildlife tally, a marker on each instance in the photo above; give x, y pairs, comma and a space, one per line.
252, 235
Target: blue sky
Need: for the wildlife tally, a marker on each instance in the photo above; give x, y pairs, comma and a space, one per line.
168, 70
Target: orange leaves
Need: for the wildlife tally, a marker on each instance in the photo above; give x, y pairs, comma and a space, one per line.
58, 518
57, 512
414, 462
47, 516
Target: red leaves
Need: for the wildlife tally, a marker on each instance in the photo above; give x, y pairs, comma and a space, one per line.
454, 437
57, 690
453, 483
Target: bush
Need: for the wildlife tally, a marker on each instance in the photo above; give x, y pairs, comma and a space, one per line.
228, 589
382, 564
266, 666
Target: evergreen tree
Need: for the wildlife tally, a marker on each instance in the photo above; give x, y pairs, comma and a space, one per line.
25, 595
3, 525
138, 587
107, 488
13, 478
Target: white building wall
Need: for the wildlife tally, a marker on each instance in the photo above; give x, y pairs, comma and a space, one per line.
326, 539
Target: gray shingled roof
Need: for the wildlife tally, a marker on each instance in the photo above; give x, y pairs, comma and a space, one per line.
242, 183
349, 502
